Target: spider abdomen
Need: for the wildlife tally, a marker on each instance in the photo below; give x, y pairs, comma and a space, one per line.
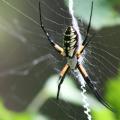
70, 41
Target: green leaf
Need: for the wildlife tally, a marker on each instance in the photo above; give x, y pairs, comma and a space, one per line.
103, 115
113, 93
6, 114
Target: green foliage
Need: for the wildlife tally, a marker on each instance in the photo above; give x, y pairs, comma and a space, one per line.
6, 114
113, 94
103, 114
114, 2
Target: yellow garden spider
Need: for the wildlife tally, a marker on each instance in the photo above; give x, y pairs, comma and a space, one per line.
72, 53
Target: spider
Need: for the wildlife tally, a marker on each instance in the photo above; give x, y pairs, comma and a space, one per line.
72, 53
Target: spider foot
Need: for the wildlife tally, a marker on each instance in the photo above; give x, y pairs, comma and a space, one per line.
59, 86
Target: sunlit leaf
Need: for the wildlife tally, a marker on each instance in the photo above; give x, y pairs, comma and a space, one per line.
103, 115
113, 93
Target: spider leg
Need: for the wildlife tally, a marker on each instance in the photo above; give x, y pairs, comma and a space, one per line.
93, 88
88, 29
79, 51
86, 41
82, 47
56, 46
61, 78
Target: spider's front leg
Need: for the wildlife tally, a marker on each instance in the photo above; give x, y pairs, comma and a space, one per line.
61, 78
59, 49
85, 41
79, 51
56, 46
92, 87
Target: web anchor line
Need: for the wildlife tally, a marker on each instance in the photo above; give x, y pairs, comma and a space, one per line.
80, 78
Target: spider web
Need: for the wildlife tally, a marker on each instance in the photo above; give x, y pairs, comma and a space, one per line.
27, 59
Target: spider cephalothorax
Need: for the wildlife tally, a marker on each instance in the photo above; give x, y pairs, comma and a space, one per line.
70, 42
72, 53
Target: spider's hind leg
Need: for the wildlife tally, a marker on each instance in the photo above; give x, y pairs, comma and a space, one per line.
61, 78
93, 88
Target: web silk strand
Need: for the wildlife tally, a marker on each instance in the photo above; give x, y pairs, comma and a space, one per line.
80, 78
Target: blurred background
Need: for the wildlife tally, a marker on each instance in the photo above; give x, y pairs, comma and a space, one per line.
29, 66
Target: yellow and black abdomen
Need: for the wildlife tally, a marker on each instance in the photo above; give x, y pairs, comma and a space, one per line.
70, 42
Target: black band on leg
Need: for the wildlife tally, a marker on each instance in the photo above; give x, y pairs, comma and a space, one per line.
61, 79
94, 90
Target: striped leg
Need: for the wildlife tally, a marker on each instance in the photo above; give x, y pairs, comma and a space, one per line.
56, 46
88, 29
86, 41
61, 78
79, 51
93, 88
